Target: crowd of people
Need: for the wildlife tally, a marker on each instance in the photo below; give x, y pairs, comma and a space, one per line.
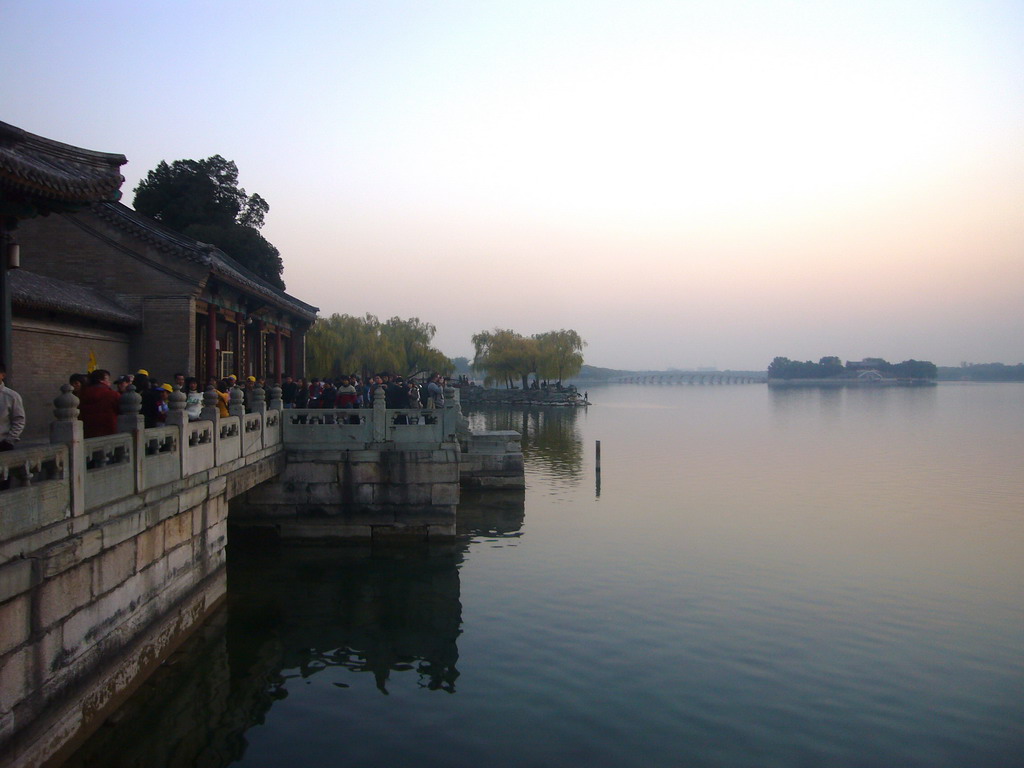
99, 397
354, 392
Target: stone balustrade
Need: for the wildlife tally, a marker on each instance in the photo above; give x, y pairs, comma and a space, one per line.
112, 548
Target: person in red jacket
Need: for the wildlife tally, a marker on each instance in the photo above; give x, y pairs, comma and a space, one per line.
98, 405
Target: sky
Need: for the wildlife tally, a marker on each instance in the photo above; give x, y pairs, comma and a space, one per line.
686, 184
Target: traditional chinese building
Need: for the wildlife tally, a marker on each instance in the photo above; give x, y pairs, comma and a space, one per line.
39, 176
101, 286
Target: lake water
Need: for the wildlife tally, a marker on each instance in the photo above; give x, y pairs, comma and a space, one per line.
756, 578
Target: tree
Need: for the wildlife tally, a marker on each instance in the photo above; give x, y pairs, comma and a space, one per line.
202, 200
342, 344
561, 354
505, 355
916, 369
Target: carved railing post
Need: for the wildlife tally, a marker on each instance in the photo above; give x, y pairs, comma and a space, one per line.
236, 402
129, 418
454, 402
452, 414
211, 411
132, 421
176, 407
259, 400
276, 401
177, 417
67, 429
380, 416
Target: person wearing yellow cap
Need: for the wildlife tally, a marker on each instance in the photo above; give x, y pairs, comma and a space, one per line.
142, 372
250, 385
160, 394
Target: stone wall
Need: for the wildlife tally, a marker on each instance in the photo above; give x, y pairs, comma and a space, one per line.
486, 396
112, 549
493, 460
374, 492
111, 552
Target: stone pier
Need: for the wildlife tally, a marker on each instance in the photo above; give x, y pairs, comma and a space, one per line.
112, 549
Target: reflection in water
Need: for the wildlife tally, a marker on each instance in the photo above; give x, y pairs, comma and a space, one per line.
551, 436
379, 613
293, 614
491, 513
801, 578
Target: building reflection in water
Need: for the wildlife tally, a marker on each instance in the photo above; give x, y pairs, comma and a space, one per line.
294, 613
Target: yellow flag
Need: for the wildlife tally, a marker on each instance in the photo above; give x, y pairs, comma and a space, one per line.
92, 362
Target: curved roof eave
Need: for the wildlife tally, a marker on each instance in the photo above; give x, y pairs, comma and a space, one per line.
219, 263
51, 175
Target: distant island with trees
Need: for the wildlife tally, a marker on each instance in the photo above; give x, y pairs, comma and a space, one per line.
831, 370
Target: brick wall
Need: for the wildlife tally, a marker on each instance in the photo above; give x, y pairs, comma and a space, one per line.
84, 249
167, 341
46, 352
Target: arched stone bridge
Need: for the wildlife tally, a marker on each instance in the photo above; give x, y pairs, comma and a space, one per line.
700, 377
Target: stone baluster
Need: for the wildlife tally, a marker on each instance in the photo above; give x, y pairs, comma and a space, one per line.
67, 429
452, 414
380, 414
176, 407
258, 395
130, 419
454, 401
276, 399
211, 411
236, 402
177, 417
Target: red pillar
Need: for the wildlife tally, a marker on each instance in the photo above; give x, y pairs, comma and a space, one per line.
211, 342
277, 355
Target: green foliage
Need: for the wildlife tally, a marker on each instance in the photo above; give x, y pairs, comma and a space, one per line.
342, 344
505, 355
201, 199
832, 367
561, 354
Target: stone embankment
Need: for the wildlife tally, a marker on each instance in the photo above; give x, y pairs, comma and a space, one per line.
112, 549
474, 395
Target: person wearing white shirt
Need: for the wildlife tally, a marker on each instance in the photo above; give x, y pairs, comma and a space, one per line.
12, 414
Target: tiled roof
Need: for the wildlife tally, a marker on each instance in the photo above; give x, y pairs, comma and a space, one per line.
222, 265
49, 174
32, 291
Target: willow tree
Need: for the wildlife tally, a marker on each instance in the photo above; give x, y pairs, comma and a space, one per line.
342, 344
560, 354
412, 338
505, 355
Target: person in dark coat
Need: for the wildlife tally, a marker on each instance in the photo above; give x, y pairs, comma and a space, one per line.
150, 399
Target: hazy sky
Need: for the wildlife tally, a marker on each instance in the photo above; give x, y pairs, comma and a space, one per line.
688, 183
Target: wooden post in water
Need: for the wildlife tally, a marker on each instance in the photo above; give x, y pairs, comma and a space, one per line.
598, 455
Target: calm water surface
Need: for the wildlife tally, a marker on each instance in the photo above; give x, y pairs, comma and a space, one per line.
756, 578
